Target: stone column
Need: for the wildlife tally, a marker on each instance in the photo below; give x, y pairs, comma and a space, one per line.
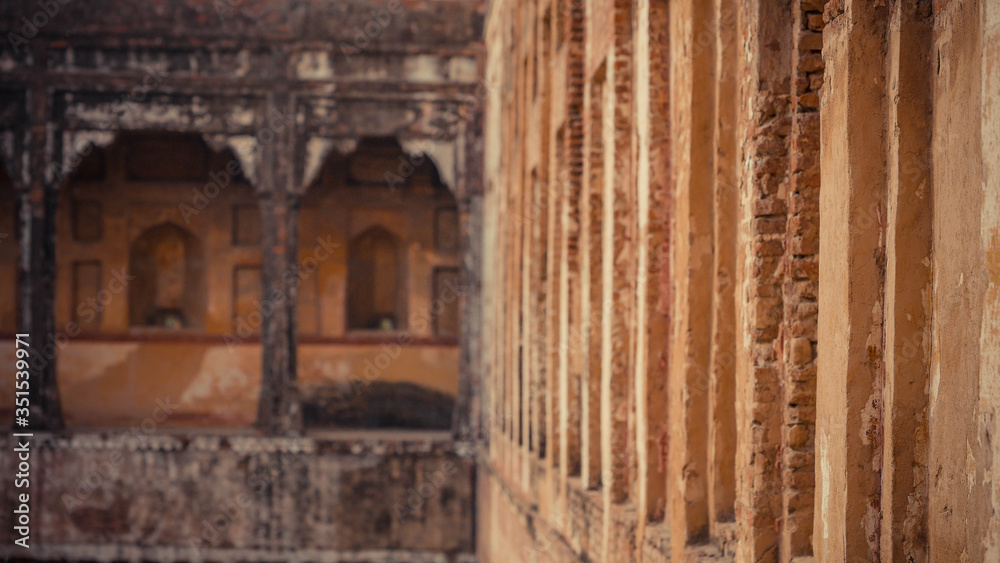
466, 421
279, 411
38, 269
692, 103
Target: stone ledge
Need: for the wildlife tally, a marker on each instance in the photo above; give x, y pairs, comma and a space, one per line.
379, 442
109, 553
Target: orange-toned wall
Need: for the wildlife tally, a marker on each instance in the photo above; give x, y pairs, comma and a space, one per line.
112, 373
211, 384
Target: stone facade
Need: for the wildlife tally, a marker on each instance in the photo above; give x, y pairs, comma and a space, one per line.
666, 343
262, 215
754, 369
115, 123
143, 494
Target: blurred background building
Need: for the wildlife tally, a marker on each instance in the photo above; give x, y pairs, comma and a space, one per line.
502, 280
205, 203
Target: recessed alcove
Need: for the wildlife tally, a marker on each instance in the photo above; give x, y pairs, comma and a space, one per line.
167, 264
378, 308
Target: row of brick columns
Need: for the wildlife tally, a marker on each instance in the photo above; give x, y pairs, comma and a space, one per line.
653, 280
279, 412
713, 371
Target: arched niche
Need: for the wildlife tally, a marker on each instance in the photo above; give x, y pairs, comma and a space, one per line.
120, 191
378, 240
158, 260
167, 291
374, 282
376, 184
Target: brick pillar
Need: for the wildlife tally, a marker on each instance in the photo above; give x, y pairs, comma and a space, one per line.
555, 265
510, 303
593, 216
652, 123
990, 239
799, 289
852, 276
573, 322
722, 371
905, 483
762, 135
539, 352
619, 293
959, 423
528, 266
539, 220
692, 118
519, 267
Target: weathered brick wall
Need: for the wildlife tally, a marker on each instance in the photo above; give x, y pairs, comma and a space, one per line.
146, 494
799, 289
808, 373
666, 254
